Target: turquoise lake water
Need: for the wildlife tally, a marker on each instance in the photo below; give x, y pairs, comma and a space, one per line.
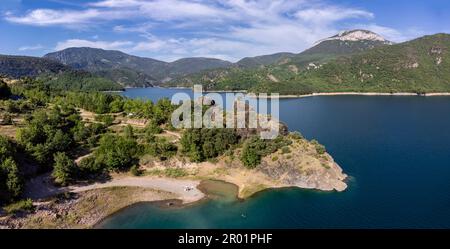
396, 150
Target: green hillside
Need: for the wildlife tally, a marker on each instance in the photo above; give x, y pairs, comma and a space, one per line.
263, 60
421, 65
129, 70
56, 75
79, 81
25, 66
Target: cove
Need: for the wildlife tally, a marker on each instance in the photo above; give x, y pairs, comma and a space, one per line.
396, 150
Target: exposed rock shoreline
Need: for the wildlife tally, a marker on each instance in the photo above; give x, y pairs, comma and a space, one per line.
301, 167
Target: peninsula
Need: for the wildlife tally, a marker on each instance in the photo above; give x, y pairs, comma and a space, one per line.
70, 159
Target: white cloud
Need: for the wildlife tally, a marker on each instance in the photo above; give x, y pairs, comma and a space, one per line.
326, 15
151, 46
116, 3
31, 48
252, 28
47, 17
167, 9
139, 28
245, 12
67, 18
228, 29
118, 45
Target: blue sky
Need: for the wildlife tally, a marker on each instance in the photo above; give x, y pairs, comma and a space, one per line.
226, 29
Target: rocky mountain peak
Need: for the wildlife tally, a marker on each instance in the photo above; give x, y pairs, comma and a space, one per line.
357, 35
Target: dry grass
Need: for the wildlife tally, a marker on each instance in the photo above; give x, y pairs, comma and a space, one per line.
88, 117
8, 131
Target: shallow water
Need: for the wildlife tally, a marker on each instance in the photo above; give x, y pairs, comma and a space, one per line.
396, 150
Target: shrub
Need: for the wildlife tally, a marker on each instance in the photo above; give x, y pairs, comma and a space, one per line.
326, 166
116, 106
5, 91
88, 167
128, 132
250, 156
13, 180
161, 148
320, 149
135, 170
285, 150
20, 206
6, 148
63, 169
92, 141
170, 127
149, 138
96, 128
162, 111
153, 128
116, 152
296, 135
138, 108
11, 183
175, 172
7, 119
106, 119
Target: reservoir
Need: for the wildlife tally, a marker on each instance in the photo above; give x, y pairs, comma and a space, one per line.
396, 150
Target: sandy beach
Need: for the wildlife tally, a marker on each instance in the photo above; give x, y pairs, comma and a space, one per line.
83, 206
175, 186
41, 186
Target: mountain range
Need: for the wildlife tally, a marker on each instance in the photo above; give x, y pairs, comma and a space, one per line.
356, 60
55, 74
129, 70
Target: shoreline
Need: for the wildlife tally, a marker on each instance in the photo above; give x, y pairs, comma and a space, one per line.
210, 193
160, 195
353, 94
210, 190
304, 167
296, 96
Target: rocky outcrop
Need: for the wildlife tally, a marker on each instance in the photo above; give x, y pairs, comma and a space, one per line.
303, 166
357, 35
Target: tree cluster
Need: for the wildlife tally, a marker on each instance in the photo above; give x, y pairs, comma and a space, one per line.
255, 148
204, 144
11, 182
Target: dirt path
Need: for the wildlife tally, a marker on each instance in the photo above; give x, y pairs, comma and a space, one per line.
41, 187
173, 134
176, 136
